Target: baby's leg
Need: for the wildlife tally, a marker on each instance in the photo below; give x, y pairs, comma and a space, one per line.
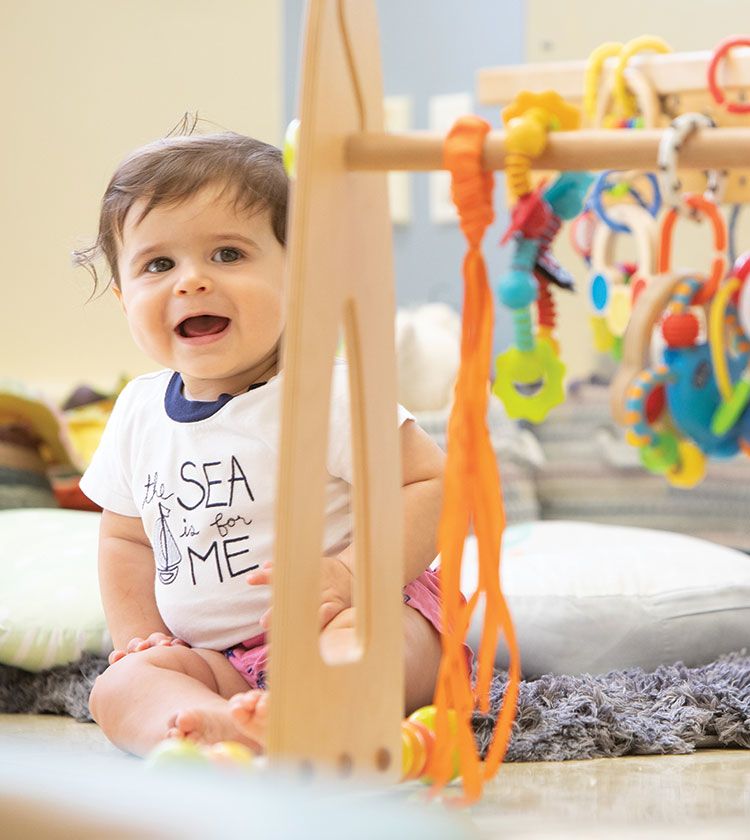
422, 660
162, 691
422, 651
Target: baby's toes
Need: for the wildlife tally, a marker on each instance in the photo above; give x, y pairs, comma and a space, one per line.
189, 723
243, 706
245, 702
249, 713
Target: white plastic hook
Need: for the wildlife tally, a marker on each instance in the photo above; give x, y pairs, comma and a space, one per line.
669, 147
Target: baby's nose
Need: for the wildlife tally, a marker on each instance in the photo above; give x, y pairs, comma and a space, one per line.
192, 283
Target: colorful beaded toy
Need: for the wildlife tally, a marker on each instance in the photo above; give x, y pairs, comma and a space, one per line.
529, 375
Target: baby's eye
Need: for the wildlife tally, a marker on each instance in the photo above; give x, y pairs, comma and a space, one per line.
159, 264
227, 255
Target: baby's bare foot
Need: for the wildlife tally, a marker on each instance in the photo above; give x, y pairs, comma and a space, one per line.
249, 712
208, 725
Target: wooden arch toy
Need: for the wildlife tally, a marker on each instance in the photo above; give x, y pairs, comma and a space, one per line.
348, 715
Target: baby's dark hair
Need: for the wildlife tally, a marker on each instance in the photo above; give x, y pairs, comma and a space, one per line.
169, 171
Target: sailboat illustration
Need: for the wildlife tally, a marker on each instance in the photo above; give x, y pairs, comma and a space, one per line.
166, 550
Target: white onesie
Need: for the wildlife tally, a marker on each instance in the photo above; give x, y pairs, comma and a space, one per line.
202, 477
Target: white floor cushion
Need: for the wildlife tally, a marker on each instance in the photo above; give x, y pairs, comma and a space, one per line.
593, 598
50, 608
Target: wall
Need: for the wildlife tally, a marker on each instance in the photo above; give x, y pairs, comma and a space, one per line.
571, 30
84, 82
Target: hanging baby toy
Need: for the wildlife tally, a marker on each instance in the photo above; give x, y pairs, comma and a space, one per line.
615, 286
529, 375
672, 406
730, 319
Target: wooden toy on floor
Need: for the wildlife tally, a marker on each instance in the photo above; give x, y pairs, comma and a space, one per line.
340, 253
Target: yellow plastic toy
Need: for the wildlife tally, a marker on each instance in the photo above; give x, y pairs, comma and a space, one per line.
529, 382
529, 375
528, 121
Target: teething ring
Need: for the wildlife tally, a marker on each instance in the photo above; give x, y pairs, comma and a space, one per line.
663, 452
717, 320
635, 349
594, 68
734, 395
703, 208
611, 179
662, 449
671, 141
741, 270
610, 292
622, 96
529, 382
718, 94
690, 469
639, 420
581, 232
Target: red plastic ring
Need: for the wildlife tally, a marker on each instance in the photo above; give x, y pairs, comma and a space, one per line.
718, 94
705, 209
581, 232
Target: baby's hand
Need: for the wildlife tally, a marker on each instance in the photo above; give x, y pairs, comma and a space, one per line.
136, 644
336, 589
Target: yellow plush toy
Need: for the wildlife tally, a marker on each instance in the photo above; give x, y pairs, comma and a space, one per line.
64, 440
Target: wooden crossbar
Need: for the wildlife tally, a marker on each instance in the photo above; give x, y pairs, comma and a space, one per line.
670, 73
423, 151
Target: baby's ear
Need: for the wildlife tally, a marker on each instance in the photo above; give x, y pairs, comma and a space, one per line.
117, 293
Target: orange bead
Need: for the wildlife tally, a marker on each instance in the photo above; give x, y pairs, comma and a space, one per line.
407, 753
426, 719
680, 329
415, 752
427, 738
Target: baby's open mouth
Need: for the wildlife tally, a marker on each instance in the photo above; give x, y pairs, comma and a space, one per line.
200, 325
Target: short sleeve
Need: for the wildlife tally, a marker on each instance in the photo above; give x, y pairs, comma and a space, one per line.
339, 461
106, 481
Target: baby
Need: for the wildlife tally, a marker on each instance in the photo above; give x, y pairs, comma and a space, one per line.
193, 230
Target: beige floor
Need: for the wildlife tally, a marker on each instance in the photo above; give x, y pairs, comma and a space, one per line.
705, 795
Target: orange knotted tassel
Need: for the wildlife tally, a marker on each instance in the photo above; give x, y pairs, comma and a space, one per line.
472, 493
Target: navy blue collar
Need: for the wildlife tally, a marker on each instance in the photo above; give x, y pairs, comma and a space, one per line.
183, 410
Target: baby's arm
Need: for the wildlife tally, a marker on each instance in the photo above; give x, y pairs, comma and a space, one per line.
126, 580
422, 467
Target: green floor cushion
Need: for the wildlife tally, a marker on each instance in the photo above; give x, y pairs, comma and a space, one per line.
50, 608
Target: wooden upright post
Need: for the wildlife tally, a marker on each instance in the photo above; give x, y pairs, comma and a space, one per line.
339, 273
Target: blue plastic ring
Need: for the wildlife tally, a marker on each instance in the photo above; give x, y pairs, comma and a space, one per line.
601, 186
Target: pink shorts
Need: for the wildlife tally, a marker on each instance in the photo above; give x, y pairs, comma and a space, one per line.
250, 658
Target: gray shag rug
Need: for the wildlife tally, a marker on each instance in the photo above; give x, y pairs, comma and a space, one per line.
671, 710
631, 712
59, 691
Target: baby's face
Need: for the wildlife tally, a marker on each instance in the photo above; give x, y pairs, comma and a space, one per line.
202, 289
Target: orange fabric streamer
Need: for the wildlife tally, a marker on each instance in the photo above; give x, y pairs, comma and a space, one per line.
472, 494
